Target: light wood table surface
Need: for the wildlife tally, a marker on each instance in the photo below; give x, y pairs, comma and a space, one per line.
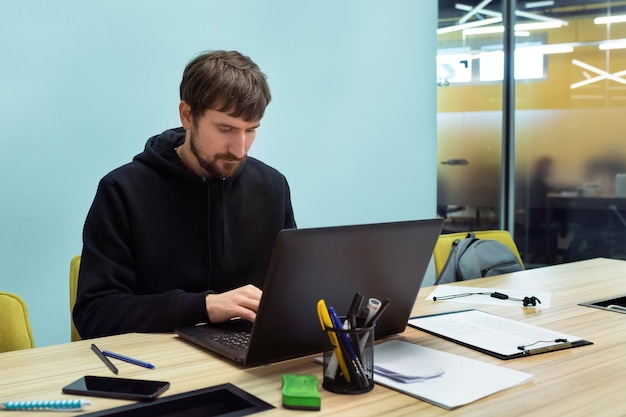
583, 381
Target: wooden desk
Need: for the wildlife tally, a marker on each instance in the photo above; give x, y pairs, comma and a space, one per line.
585, 381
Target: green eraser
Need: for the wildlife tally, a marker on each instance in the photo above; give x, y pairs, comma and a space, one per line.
300, 392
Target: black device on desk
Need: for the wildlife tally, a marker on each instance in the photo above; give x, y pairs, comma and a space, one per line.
112, 387
382, 260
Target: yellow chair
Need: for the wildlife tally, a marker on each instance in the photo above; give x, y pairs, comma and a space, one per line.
444, 245
15, 332
74, 268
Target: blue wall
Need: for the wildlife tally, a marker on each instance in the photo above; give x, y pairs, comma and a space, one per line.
83, 84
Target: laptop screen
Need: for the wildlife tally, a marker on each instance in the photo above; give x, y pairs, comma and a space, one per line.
383, 260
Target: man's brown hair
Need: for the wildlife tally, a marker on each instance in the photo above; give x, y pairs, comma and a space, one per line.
225, 81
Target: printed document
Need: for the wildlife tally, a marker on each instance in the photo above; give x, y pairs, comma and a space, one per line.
492, 334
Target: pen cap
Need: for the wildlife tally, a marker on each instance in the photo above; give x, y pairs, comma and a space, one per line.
348, 356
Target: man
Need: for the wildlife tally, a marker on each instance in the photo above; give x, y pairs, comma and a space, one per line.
183, 234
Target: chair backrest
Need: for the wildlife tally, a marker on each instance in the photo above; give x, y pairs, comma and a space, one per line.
444, 244
74, 268
15, 332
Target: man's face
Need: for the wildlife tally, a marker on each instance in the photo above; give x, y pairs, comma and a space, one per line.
220, 142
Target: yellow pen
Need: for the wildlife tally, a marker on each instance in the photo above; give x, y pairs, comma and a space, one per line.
327, 323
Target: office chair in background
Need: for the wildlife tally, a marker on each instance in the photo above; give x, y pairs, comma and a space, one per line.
15, 332
445, 241
74, 268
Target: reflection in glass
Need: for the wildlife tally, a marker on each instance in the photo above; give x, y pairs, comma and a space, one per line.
570, 107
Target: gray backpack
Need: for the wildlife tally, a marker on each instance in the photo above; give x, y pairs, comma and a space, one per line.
476, 258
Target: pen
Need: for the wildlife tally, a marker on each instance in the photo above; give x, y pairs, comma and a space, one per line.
548, 348
327, 323
56, 405
127, 359
354, 309
372, 322
104, 359
345, 343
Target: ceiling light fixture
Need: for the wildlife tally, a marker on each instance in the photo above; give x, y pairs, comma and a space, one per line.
463, 26
548, 49
481, 27
483, 30
540, 25
534, 4
607, 20
474, 10
613, 44
527, 15
520, 27
602, 75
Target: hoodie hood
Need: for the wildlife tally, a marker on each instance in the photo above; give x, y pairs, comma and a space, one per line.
160, 154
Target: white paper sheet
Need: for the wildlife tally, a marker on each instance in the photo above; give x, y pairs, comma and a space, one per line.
463, 380
490, 332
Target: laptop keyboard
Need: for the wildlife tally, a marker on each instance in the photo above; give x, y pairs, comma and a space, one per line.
236, 341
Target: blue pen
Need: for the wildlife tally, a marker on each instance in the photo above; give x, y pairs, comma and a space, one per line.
127, 359
353, 358
337, 324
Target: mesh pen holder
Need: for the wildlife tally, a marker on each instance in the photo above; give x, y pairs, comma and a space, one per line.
349, 360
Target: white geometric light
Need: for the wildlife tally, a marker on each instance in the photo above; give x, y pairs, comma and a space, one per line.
534, 4
602, 75
613, 44
549, 49
479, 26
520, 27
607, 20
463, 26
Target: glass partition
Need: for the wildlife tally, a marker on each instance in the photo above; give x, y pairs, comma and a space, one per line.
570, 103
469, 117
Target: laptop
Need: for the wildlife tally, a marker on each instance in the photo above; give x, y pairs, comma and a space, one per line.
383, 260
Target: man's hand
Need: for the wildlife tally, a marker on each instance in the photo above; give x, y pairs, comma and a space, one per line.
241, 302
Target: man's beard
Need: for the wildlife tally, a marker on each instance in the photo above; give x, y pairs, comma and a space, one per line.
229, 164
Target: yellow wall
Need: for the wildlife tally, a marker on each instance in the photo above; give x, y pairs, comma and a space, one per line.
554, 92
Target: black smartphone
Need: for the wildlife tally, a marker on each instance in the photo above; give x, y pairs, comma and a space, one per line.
112, 387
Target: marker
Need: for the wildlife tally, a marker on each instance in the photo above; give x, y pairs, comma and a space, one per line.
345, 343
337, 356
381, 310
104, 359
373, 305
127, 359
372, 321
354, 310
56, 405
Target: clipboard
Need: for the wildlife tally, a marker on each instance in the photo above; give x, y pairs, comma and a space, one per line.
495, 335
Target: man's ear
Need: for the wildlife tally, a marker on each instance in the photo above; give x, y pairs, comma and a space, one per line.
186, 118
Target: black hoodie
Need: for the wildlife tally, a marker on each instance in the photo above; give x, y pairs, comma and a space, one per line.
158, 238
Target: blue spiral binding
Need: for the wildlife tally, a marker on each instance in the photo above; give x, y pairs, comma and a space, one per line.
69, 405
